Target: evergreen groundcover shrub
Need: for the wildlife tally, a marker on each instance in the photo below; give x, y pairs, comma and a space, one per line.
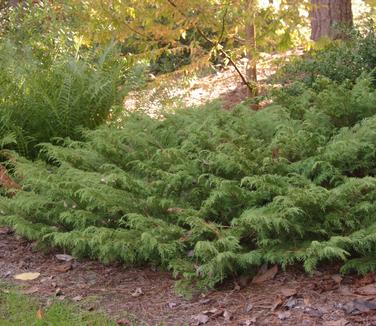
338, 61
209, 193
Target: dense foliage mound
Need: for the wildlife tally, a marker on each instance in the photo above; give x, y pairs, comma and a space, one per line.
338, 61
210, 193
50, 84
54, 97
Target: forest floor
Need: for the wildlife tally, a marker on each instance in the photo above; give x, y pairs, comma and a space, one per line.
177, 90
142, 296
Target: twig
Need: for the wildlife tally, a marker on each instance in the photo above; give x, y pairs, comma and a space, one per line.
223, 26
213, 44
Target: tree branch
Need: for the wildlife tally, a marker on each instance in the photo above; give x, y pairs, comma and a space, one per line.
223, 26
213, 44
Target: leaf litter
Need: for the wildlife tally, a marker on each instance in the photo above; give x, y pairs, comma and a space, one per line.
273, 298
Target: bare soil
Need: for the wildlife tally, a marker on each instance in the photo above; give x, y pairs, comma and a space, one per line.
178, 90
286, 298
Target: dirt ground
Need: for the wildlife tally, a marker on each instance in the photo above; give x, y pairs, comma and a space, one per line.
177, 90
148, 297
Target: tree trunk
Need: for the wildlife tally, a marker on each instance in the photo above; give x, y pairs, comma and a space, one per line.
327, 16
252, 47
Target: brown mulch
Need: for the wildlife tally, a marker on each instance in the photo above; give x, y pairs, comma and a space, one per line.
290, 298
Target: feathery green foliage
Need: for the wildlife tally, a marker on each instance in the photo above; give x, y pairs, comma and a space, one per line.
51, 86
210, 193
42, 100
338, 61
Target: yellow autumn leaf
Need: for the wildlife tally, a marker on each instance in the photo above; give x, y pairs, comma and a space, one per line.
27, 276
183, 34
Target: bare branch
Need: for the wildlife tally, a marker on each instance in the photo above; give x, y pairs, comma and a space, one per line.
213, 44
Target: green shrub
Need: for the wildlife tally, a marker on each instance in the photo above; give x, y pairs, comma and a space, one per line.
338, 61
50, 84
169, 62
47, 100
210, 193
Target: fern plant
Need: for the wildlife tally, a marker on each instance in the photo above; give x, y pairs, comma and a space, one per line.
47, 100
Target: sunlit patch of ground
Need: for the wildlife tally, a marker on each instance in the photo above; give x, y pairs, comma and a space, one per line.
178, 90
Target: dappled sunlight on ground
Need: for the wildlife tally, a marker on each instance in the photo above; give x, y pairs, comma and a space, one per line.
177, 90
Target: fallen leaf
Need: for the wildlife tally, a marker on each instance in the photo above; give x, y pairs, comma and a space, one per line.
176, 210
77, 298
205, 301
8, 273
227, 315
123, 322
278, 301
291, 303
172, 305
287, 292
63, 268
248, 307
250, 322
6, 181
27, 276
136, 293
369, 289
201, 319
46, 279
215, 313
265, 276
237, 287
313, 312
40, 314
64, 257
357, 306
283, 315
307, 301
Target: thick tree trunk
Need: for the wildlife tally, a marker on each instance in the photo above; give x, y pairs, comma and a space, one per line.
327, 16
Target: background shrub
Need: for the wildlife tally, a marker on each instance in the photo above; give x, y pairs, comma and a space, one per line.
44, 100
338, 61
